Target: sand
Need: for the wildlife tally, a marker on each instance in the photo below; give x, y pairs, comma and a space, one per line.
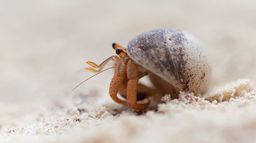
43, 47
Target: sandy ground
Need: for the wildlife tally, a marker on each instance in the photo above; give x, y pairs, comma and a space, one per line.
43, 46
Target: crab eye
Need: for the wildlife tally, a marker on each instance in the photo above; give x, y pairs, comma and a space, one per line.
118, 51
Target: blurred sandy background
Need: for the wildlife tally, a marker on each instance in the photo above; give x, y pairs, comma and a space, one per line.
43, 46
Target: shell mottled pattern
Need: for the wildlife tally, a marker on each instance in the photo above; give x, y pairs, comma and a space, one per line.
174, 55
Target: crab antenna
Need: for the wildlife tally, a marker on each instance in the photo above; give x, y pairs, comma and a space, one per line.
90, 78
101, 65
92, 64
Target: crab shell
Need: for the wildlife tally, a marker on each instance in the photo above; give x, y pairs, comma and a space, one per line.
174, 56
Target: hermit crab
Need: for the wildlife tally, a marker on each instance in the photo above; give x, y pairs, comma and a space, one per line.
173, 60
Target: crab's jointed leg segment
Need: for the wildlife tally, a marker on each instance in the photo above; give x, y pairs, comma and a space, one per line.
117, 81
132, 87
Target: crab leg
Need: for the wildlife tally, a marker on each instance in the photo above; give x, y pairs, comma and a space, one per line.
117, 81
132, 86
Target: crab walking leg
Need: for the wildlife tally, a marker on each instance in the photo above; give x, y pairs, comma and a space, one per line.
132, 75
114, 87
117, 81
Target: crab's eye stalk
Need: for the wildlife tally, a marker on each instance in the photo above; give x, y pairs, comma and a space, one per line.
118, 51
114, 45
